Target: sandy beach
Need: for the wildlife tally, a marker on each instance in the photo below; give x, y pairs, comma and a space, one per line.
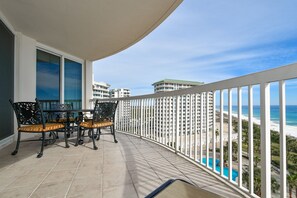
290, 130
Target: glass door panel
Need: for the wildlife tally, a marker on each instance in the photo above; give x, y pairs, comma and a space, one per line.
48, 78
73, 83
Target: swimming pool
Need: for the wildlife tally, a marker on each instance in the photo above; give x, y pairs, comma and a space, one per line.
218, 168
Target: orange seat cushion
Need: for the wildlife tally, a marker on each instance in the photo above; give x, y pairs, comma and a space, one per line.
39, 127
96, 124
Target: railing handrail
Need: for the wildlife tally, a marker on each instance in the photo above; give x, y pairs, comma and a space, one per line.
267, 76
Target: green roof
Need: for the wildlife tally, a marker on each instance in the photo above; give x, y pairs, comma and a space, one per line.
178, 82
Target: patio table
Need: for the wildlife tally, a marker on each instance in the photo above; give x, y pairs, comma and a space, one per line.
68, 113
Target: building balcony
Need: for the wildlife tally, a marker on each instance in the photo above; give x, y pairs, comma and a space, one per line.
132, 168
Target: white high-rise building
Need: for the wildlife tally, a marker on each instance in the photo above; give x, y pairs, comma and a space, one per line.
123, 108
166, 107
120, 93
171, 85
100, 90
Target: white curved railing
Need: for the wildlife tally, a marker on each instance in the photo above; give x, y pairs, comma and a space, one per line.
188, 122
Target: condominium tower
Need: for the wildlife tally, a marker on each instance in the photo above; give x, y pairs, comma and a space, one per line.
100, 90
165, 108
123, 108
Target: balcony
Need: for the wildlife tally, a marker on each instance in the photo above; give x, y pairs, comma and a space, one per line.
132, 168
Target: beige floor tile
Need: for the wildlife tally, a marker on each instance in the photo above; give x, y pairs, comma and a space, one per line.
27, 180
88, 173
114, 160
114, 167
223, 190
202, 179
52, 189
176, 160
68, 164
85, 187
93, 193
116, 178
122, 191
4, 182
93, 164
167, 172
188, 168
62, 175
159, 162
145, 188
137, 157
143, 175
17, 192
132, 165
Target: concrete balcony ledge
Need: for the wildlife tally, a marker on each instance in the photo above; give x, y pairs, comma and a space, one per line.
132, 168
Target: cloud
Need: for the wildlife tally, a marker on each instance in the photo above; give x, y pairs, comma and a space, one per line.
207, 41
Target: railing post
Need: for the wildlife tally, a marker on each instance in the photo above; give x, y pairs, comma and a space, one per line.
239, 108
177, 123
191, 127
201, 127
251, 140
222, 132
265, 140
196, 128
141, 118
230, 133
283, 156
207, 128
214, 130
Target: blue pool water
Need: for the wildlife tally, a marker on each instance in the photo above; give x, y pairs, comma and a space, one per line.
218, 168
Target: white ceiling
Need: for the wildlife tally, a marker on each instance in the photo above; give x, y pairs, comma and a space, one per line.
89, 29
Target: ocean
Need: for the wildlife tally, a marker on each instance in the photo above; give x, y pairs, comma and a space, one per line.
291, 113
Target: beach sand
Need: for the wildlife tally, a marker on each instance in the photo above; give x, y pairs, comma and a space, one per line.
289, 130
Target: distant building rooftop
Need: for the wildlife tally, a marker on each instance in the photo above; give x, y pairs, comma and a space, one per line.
173, 81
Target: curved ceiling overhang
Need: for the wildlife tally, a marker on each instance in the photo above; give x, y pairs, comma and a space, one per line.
91, 29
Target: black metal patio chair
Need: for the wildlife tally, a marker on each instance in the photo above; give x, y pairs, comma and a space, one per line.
103, 116
30, 119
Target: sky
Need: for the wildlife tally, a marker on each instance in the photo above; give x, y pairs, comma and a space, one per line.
208, 41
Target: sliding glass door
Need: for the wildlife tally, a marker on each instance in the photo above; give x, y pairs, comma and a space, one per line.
57, 82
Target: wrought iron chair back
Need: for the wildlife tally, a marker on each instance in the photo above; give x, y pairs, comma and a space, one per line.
104, 111
28, 113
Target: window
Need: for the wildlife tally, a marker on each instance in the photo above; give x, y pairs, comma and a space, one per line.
73, 83
48, 78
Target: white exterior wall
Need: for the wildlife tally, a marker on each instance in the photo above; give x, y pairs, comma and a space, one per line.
25, 73
88, 83
25, 68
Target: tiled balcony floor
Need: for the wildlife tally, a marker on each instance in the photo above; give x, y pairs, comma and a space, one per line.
131, 168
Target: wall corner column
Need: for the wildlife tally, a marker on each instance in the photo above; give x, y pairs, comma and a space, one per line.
88, 83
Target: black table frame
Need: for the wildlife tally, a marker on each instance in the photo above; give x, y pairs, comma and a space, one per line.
68, 112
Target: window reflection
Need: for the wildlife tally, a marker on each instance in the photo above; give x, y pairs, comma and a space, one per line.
73, 83
48, 78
